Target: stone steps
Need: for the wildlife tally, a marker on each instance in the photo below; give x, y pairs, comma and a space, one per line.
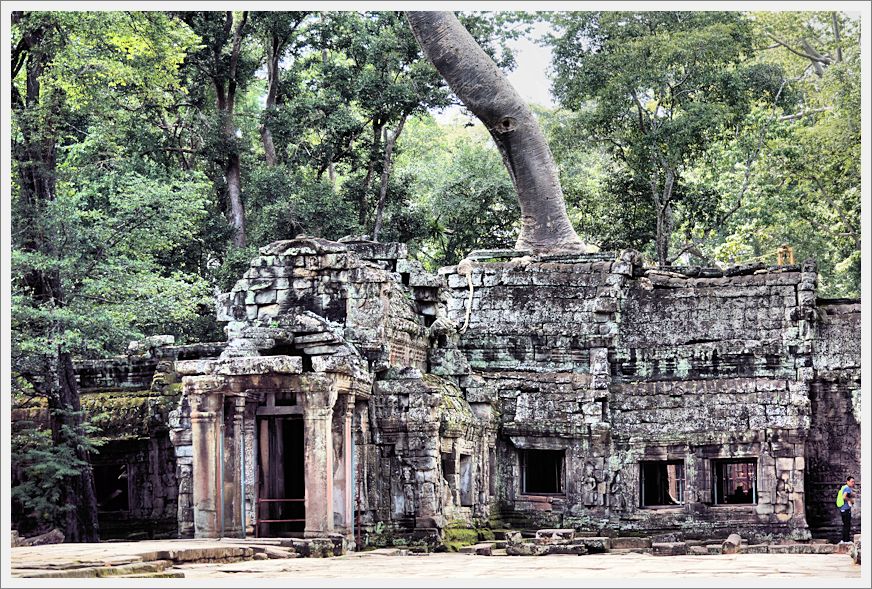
134, 568
153, 563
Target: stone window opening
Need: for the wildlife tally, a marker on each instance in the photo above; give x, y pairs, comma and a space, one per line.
111, 487
542, 472
661, 483
285, 398
735, 481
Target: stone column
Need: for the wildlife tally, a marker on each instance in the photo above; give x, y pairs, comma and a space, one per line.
348, 445
318, 444
343, 495
233, 469
206, 411
180, 436
249, 457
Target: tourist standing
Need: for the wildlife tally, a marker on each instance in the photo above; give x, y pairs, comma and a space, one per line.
844, 501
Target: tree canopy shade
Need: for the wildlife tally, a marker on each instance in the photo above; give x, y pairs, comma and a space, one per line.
656, 89
91, 221
483, 88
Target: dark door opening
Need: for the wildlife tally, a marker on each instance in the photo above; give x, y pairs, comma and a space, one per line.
110, 486
281, 511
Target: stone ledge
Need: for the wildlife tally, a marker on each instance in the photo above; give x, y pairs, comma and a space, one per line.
241, 366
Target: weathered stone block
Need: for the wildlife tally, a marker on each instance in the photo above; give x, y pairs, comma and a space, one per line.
526, 549
553, 536
264, 297
668, 548
731, 544
791, 549
483, 549
594, 544
629, 542
268, 312
260, 365
577, 549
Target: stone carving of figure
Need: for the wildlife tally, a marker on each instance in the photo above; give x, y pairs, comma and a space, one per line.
619, 497
589, 494
783, 489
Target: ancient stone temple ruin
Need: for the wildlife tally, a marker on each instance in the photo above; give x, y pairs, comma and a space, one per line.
359, 396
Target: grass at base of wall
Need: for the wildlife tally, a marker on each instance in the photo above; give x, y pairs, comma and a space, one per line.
455, 538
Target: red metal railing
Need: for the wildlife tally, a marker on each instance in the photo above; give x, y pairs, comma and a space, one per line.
258, 521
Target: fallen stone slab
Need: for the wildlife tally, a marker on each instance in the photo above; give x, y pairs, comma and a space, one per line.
161, 575
78, 564
630, 551
844, 547
698, 550
629, 542
731, 544
668, 548
482, 549
824, 548
137, 568
381, 552
526, 549
594, 544
256, 541
577, 549
202, 554
55, 536
754, 549
555, 535
791, 549
278, 553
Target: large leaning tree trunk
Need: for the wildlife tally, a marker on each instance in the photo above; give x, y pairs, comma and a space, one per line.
479, 83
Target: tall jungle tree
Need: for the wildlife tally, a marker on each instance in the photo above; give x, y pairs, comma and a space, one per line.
223, 62
656, 88
484, 89
88, 224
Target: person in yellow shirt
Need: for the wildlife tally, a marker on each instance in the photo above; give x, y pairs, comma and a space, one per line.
844, 501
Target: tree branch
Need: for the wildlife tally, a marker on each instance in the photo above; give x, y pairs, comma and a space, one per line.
804, 113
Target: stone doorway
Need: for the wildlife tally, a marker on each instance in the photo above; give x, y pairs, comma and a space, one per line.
281, 478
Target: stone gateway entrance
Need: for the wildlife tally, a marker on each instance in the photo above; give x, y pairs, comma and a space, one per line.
269, 458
